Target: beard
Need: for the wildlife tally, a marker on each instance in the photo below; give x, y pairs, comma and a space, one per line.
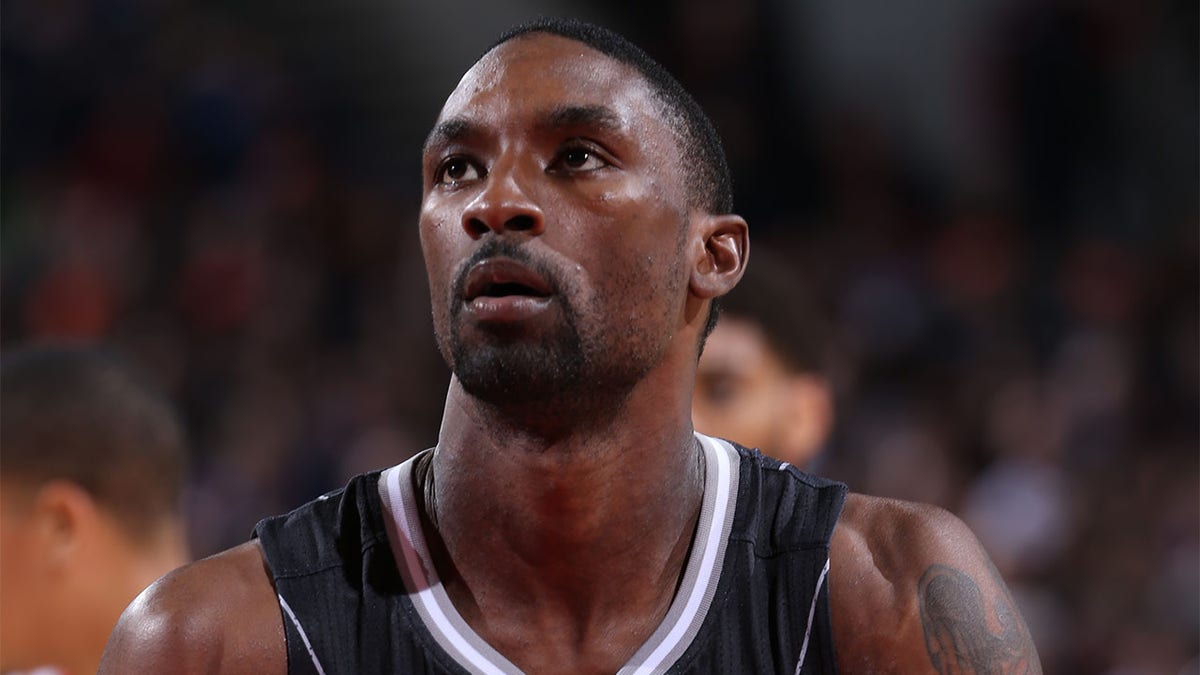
564, 368
508, 367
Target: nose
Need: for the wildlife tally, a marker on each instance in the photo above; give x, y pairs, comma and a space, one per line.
503, 205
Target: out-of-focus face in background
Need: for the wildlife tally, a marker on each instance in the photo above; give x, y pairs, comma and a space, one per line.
92, 460
745, 392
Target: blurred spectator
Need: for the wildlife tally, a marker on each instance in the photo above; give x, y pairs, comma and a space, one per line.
92, 465
763, 378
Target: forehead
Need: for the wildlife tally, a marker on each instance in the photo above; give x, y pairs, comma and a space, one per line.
738, 344
534, 74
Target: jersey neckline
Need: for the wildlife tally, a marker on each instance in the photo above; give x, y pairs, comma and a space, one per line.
669, 641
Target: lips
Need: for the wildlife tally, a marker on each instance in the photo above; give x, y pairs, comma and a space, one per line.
504, 277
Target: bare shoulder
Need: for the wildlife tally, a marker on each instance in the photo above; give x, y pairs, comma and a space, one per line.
912, 590
216, 615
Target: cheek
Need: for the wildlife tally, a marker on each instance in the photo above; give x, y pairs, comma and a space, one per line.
19, 601
432, 233
631, 244
437, 246
626, 200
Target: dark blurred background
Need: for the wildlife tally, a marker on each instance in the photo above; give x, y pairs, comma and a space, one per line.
995, 200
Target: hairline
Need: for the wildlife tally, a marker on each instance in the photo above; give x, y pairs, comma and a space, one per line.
674, 114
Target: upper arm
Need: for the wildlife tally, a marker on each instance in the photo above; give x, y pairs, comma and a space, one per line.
215, 615
912, 590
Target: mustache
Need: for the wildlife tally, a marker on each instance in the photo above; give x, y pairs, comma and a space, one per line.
503, 248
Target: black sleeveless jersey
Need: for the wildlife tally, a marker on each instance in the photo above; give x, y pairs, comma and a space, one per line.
358, 593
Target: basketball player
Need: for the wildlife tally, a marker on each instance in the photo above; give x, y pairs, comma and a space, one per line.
763, 377
91, 468
576, 228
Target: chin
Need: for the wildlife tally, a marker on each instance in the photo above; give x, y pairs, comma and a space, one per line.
517, 373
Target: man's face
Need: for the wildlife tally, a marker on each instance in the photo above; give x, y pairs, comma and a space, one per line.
553, 224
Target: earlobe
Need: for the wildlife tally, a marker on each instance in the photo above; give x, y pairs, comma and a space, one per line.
725, 242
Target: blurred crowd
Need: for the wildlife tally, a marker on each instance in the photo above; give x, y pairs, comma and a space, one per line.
994, 201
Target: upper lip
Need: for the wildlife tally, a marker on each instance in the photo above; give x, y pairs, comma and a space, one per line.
503, 276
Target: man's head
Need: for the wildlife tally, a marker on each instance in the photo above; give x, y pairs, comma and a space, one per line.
575, 221
91, 464
763, 378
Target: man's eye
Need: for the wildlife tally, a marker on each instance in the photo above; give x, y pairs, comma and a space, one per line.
717, 390
580, 159
457, 170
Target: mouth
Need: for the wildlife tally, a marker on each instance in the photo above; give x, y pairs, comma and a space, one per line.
504, 278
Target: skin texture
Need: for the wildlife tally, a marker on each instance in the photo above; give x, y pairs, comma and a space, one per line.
69, 569
745, 391
912, 591
589, 468
216, 615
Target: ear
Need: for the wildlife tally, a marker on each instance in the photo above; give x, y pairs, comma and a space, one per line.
807, 418
66, 515
724, 250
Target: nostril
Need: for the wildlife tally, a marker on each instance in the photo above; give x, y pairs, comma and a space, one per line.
521, 223
475, 227
477, 224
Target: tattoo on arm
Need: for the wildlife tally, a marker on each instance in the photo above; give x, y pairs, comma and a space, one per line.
958, 635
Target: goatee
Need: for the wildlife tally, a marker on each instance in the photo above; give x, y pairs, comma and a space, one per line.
507, 366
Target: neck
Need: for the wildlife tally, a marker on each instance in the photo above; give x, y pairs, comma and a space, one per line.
536, 518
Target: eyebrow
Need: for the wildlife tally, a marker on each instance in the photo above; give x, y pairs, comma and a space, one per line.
456, 129
449, 131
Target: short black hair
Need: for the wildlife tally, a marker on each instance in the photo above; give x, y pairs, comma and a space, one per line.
705, 167
81, 414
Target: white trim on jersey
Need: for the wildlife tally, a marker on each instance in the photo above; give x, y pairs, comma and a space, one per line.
670, 640
702, 571
303, 636
812, 610
425, 589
